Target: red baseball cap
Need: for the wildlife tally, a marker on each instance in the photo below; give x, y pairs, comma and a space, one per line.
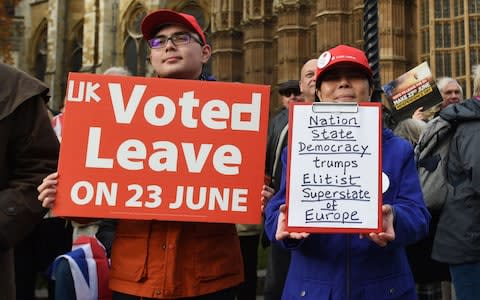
342, 54
154, 20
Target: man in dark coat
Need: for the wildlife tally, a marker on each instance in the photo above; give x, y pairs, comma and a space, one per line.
28, 152
457, 239
289, 91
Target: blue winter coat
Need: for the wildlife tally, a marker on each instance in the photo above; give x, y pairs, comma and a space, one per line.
345, 267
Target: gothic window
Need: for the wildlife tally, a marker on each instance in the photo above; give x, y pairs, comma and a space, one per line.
474, 56
443, 64
424, 13
438, 35
424, 29
446, 35
77, 48
474, 6
442, 35
135, 48
459, 33
442, 8
458, 8
41, 53
460, 63
439, 62
446, 9
136, 56
425, 41
448, 64
474, 25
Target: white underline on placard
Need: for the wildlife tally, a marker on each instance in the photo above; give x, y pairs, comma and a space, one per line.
156, 214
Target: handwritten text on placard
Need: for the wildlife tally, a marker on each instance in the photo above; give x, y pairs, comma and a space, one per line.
334, 169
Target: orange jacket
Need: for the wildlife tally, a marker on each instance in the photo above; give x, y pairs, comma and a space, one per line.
174, 259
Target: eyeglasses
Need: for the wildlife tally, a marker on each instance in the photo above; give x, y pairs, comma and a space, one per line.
177, 39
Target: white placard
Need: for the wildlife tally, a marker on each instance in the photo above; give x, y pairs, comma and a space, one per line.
334, 168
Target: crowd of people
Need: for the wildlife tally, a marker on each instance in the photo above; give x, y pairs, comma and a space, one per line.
418, 251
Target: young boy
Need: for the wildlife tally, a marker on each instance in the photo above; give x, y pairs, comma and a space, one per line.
163, 259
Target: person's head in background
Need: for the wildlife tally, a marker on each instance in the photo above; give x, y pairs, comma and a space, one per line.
178, 47
121, 71
344, 75
307, 80
450, 90
289, 91
476, 80
410, 129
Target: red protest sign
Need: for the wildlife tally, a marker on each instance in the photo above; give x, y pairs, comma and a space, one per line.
164, 149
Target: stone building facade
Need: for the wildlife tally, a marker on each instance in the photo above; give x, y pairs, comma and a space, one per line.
254, 41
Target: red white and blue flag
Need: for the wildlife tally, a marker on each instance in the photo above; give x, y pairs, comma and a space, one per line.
57, 124
89, 266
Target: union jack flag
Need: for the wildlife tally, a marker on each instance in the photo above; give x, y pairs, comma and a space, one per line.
89, 266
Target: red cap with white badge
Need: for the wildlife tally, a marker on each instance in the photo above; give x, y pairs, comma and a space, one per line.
342, 54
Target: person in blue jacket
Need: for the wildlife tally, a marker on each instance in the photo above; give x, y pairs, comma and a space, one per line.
370, 266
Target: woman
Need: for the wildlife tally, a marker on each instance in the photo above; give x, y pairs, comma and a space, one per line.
351, 266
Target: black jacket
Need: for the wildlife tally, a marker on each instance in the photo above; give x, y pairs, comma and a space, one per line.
458, 234
28, 153
275, 128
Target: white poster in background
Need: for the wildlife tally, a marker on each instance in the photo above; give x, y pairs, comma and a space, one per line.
334, 171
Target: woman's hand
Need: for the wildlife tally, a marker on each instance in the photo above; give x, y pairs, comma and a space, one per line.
282, 232
388, 234
419, 114
48, 190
